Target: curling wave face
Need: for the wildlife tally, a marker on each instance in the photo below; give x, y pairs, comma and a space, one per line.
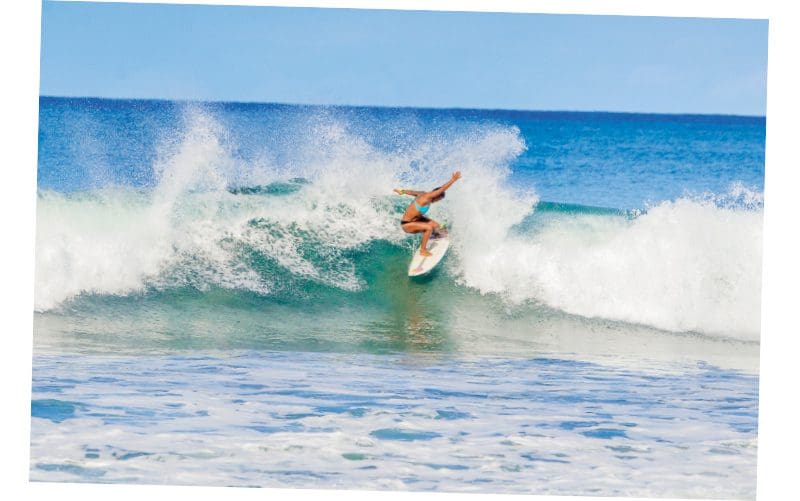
322, 222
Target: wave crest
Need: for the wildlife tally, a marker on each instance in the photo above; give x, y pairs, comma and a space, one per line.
684, 265
215, 219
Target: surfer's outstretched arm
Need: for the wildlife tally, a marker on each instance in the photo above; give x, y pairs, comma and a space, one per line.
438, 192
413, 193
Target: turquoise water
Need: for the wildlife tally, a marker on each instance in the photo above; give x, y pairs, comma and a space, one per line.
233, 277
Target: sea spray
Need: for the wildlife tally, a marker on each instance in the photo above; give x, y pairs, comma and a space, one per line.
197, 227
316, 215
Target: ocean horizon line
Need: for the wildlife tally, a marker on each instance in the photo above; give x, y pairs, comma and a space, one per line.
407, 107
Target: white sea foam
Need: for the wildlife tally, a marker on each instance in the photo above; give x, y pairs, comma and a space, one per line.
364, 422
684, 265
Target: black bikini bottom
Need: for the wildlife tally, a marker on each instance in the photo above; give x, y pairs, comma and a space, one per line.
418, 219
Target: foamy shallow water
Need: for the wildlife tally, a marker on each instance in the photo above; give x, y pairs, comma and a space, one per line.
400, 422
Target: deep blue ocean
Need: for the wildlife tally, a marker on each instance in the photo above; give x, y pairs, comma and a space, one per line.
221, 299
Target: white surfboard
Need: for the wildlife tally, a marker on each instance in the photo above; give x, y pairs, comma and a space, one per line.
420, 265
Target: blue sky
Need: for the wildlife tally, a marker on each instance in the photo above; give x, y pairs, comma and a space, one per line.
404, 58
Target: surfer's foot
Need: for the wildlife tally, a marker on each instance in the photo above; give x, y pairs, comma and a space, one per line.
423, 252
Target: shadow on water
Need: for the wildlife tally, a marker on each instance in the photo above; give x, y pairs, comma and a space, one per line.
414, 311
428, 277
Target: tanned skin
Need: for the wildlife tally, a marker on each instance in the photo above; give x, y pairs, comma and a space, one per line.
413, 221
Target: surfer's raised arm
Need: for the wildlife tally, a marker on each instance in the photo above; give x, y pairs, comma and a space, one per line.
438, 192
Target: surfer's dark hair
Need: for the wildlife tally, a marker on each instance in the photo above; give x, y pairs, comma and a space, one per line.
440, 196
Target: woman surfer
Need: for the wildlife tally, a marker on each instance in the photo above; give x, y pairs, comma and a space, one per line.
414, 219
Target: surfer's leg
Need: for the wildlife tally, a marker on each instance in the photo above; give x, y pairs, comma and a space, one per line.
414, 227
423, 248
425, 228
